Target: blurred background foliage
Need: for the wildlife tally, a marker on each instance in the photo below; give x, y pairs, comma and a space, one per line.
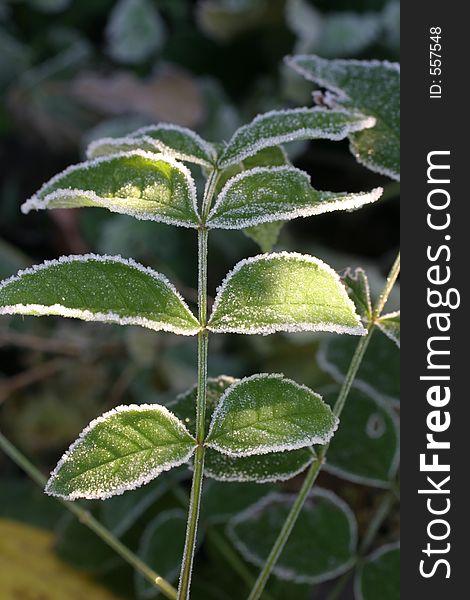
75, 70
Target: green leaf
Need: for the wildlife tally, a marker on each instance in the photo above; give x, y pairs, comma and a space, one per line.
225, 500
390, 325
379, 373
371, 87
283, 292
268, 413
134, 31
161, 548
276, 466
265, 235
322, 543
121, 450
365, 449
357, 284
280, 126
266, 194
380, 571
140, 184
172, 140
98, 288
119, 513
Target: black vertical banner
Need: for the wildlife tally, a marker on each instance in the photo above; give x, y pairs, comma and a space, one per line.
435, 414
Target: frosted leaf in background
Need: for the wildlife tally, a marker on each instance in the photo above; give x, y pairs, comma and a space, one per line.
280, 126
365, 449
135, 31
322, 544
98, 288
268, 413
143, 185
161, 547
357, 284
379, 571
371, 87
275, 466
283, 292
119, 451
178, 142
379, 373
266, 194
390, 325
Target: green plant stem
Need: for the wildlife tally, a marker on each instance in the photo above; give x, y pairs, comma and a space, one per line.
85, 517
315, 468
203, 339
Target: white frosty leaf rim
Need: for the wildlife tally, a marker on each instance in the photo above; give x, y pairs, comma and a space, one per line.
261, 449
353, 273
41, 199
285, 476
361, 122
371, 165
141, 135
287, 327
139, 481
149, 532
293, 62
343, 201
374, 556
329, 367
394, 463
284, 572
87, 315
385, 329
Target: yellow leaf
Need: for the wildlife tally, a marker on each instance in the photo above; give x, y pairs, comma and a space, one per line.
29, 569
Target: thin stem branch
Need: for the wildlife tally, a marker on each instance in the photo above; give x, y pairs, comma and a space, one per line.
89, 521
203, 339
315, 468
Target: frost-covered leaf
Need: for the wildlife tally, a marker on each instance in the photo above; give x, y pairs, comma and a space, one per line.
390, 325
134, 31
275, 466
121, 450
119, 513
266, 194
224, 500
268, 413
380, 571
322, 543
98, 288
161, 548
265, 235
140, 184
379, 372
178, 142
358, 288
280, 126
365, 449
371, 87
283, 292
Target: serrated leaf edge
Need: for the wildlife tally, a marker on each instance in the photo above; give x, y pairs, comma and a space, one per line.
263, 449
356, 200
387, 331
290, 328
282, 572
87, 315
35, 202
140, 480
306, 133
142, 132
